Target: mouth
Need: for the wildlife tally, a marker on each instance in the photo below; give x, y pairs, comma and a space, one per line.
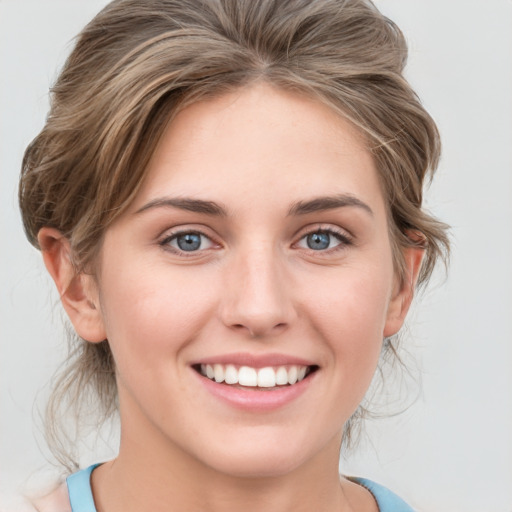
247, 377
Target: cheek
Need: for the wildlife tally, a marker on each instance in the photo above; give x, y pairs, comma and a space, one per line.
354, 302
350, 312
154, 313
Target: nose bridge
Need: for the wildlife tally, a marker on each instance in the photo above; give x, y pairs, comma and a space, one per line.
257, 296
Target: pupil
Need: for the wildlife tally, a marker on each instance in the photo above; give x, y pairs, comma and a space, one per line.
318, 241
189, 242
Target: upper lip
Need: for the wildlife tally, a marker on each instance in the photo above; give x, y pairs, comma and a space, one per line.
255, 360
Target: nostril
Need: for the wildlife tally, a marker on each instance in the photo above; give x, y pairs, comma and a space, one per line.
259, 331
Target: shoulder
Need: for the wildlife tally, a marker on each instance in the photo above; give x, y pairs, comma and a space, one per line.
76, 489
56, 501
386, 499
15, 503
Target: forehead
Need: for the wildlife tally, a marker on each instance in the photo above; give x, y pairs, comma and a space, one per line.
261, 144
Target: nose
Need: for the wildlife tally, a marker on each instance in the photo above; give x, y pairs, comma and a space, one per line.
257, 299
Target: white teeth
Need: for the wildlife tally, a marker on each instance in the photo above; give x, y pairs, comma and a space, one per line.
267, 377
292, 375
247, 376
281, 376
231, 375
218, 373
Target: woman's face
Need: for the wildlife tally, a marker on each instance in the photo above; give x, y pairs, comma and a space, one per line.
257, 251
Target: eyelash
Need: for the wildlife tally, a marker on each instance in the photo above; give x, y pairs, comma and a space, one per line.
345, 240
341, 236
165, 243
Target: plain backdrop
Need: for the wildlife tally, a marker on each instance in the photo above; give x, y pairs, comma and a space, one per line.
452, 450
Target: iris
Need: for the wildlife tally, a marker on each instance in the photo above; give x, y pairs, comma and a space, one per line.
189, 241
318, 241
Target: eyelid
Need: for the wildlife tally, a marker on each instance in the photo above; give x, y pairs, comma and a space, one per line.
172, 234
342, 235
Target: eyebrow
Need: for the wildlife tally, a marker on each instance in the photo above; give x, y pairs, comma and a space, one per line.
215, 209
185, 203
327, 203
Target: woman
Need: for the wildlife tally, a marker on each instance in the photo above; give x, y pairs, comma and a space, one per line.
227, 195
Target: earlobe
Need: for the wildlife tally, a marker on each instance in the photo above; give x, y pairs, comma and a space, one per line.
402, 297
77, 291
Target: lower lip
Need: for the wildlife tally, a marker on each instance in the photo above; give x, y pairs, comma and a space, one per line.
256, 399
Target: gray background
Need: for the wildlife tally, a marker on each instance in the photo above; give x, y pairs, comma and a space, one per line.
452, 450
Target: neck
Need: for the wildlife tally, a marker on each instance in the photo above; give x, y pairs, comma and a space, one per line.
138, 480
154, 473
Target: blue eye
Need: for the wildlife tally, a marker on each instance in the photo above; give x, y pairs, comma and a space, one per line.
318, 241
322, 240
187, 241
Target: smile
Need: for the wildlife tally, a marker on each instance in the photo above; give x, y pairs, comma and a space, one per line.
267, 377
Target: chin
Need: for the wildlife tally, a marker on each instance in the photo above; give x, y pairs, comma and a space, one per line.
261, 466
258, 458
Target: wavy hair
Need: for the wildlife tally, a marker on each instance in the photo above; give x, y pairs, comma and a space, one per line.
138, 63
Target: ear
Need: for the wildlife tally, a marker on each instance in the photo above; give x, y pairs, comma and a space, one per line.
78, 291
404, 292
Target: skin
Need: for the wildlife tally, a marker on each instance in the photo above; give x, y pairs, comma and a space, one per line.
254, 286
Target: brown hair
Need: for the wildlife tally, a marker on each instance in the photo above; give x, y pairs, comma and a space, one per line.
137, 63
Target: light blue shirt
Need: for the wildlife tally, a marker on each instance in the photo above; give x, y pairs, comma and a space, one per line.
80, 493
